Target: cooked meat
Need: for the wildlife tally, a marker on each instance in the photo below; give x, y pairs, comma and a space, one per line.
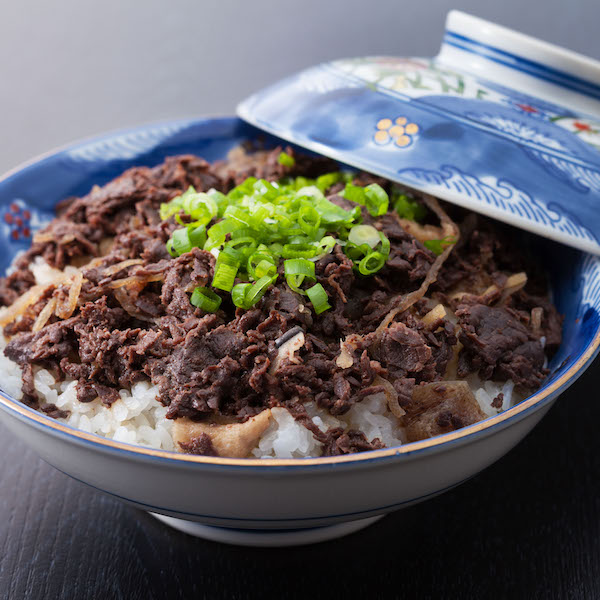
498, 346
222, 439
437, 408
126, 315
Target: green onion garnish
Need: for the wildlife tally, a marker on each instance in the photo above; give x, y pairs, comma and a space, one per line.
376, 200
324, 182
318, 297
364, 234
246, 295
438, 246
298, 250
296, 271
286, 160
238, 294
260, 264
355, 193
224, 277
197, 235
180, 241
205, 299
371, 263
409, 209
259, 223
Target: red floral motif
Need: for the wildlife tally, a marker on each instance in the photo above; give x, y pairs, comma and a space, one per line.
582, 126
17, 218
528, 109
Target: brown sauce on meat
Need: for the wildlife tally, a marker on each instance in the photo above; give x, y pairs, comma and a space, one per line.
223, 364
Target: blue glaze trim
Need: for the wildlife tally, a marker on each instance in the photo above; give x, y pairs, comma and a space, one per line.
524, 65
184, 514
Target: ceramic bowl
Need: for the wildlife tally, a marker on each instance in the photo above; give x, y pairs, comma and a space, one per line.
268, 502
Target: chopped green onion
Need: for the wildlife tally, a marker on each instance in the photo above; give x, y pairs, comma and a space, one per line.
238, 294
244, 189
170, 249
205, 299
355, 252
371, 263
246, 295
409, 209
296, 271
364, 234
244, 245
355, 193
218, 232
438, 246
259, 223
197, 235
168, 209
318, 297
309, 219
265, 189
237, 213
286, 160
324, 182
324, 247
376, 200
385, 245
298, 251
265, 269
201, 207
230, 256
302, 182
260, 264
332, 215
224, 276
258, 289
220, 200
181, 241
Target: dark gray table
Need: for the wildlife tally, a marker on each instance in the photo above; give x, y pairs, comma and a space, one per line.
528, 527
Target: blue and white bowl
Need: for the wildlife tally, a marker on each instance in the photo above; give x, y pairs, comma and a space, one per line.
514, 137
269, 502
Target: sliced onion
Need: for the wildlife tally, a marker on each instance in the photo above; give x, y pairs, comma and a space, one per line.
403, 302
129, 307
437, 312
391, 396
65, 309
536, 318
122, 265
344, 359
22, 303
44, 315
513, 284
135, 279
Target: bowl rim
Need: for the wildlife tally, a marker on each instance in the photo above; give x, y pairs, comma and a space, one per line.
440, 442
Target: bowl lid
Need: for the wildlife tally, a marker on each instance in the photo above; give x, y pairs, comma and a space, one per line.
499, 122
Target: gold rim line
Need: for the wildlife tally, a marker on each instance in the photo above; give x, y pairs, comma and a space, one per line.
31, 414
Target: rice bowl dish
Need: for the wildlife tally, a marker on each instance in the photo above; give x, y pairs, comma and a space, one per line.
414, 320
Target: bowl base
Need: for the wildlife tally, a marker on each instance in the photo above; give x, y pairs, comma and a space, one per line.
266, 537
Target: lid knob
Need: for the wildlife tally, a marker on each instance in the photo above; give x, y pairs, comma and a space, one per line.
520, 61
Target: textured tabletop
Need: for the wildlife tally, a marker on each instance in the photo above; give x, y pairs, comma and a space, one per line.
527, 527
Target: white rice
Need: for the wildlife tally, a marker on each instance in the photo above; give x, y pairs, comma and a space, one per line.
45, 274
139, 418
